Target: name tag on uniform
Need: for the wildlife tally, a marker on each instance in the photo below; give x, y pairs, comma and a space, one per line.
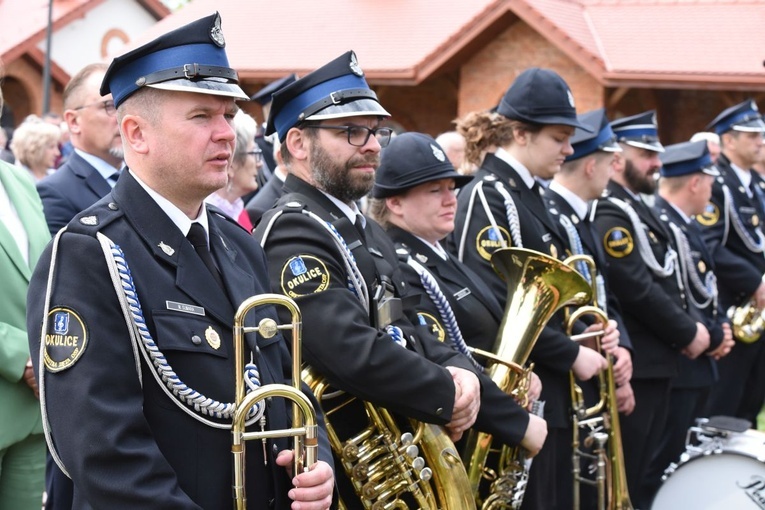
183, 307
462, 293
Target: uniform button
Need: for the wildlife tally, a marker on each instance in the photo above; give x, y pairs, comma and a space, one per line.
275, 448
439, 411
196, 340
113, 206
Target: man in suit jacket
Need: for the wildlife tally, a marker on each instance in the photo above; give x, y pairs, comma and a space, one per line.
136, 377
641, 271
92, 169
732, 226
88, 174
23, 236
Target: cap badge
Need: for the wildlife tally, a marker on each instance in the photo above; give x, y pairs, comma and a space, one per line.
354, 65
216, 34
438, 153
570, 98
653, 118
753, 106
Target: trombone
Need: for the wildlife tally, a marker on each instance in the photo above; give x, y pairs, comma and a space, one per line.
610, 476
304, 430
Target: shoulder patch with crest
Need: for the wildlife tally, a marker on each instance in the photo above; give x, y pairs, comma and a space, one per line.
618, 242
710, 216
433, 325
65, 339
489, 240
304, 275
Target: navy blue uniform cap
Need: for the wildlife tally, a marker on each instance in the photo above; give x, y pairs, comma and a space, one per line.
540, 96
639, 131
191, 58
411, 159
687, 158
600, 137
336, 90
741, 117
263, 96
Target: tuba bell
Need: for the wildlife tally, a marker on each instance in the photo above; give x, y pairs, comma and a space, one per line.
304, 429
600, 421
382, 459
537, 286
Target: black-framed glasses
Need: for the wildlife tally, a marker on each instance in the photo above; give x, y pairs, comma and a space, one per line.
107, 105
257, 154
358, 136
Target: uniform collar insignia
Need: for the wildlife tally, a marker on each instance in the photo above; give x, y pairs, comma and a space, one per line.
165, 248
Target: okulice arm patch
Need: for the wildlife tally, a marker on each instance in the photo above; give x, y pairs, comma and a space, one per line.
304, 275
433, 325
490, 239
618, 242
710, 216
65, 339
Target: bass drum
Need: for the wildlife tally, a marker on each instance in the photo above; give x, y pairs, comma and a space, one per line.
727, 472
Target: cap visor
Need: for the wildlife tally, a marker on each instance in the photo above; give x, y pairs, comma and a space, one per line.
215, 88
356, 108
612, 146
711, 170
753, 126
650, 146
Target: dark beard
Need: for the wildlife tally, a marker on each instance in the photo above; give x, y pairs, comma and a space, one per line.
638, 183
337, 180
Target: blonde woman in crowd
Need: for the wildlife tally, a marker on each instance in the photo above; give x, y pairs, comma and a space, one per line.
35, 146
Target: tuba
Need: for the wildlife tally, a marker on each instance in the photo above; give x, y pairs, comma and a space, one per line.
747, 321
600, 422
304, 426
537, 286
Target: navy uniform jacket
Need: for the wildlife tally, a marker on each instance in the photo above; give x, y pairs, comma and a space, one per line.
123, 440
554, 353
339, 340
702, 371
654, 308
559, 206
72, 188
478, 315
264, 199
738, 269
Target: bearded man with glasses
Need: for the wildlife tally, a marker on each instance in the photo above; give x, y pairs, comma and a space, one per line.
360, 327
92, 169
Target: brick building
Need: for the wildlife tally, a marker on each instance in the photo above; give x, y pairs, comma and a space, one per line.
431, 61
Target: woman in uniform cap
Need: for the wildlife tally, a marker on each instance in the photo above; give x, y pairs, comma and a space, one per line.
413, 198
523, 140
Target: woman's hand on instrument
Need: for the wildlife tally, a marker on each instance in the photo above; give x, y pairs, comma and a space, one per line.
467, 401
536, 433
622, 366
609, 342
312, 489
726, 345
588, 363
625, 399
535, 389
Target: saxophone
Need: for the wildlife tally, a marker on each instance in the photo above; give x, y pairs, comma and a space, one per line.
537, 286
383, 461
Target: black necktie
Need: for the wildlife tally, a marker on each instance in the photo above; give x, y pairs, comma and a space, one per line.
359, 224
198, 238
112, 179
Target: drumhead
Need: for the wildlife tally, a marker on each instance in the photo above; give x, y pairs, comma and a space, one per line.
722, 481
